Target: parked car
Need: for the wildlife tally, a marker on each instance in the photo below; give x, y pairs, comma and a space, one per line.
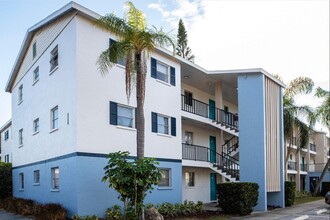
327, 198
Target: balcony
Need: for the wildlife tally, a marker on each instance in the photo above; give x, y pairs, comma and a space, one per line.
303, 167
312, 147
292, 165
222, 162
205, 110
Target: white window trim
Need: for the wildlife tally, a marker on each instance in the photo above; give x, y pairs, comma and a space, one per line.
21, 180
36, 183
52, 126
133, 116
20, 94
20, 137
36, 131
51, 57
168, 83
190, 187
53, 189
169, 126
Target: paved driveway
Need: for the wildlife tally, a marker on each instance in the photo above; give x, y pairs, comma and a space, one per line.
9, 216
312, 210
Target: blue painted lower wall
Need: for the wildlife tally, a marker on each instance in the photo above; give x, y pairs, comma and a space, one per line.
310, 175
80, 188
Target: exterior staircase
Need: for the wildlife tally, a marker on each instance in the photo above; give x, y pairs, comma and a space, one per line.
231, 147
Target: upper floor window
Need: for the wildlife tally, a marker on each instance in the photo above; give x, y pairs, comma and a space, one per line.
36, 74
120, 61
166, 178
55, 177
20, 94
121, 115
36, 125
34, 50
163, 124
7, 158
162, 71
54, 58
20, 137
6, 135
54, 118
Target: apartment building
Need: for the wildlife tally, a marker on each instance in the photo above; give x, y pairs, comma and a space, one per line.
305, 165
5, 142
203, 127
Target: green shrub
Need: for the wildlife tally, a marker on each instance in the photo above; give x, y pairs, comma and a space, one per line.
187, 208
113, 213
290, 189
50, 211
86, 217
6, 183
302, 194
237, 198
325, 188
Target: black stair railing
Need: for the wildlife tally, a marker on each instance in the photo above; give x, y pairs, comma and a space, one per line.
203, 109
223, 161
230, 145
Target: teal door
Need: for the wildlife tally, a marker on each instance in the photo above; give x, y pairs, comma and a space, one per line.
211, 109
213, 186
212, 149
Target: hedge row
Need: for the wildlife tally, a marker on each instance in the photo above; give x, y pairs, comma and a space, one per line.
5, 180
290, 193
237, 198
29, 207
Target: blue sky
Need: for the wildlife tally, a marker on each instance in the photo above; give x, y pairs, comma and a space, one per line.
289, 38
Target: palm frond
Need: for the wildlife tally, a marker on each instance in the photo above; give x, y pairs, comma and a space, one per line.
321, 93
135, 18
302, 133
103, 62
300, 85
113, 24
162, 39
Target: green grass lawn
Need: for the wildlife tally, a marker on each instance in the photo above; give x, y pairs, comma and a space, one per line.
301, 200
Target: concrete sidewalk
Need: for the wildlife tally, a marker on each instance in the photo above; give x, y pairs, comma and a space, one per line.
311, 210
9, 216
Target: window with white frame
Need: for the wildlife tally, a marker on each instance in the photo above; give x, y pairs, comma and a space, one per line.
190, 179
55, 177
36, 176
36, 74
34, 50
54, 58
21, 181
125, 116
6, 135
36, 125
162, 124
54, 118
166, 178
7, 158
162, 72
20, 94
20, 137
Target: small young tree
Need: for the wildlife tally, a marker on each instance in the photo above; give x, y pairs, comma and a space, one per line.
5, 180
131, 179
182, 48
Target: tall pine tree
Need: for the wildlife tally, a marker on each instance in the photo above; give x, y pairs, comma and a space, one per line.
182, 48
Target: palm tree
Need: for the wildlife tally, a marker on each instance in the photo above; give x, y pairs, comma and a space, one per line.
323, 111
135, 42
293, 114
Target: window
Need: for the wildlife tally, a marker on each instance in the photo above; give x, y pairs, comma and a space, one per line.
7, 158
36, 74
188, 137
121, 115
36, 125
36, 177
21, 181
54, 118
20, 94
190, 179
162, 72
125, 116
121, 61
161, 124
55, 177
54, 58
6, 135
34, 50
166, 178
20, 137
188, 99
225, 108
290, 156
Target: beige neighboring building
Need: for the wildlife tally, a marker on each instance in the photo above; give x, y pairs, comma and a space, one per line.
304, 166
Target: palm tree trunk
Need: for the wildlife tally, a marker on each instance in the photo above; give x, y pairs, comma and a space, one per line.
140, 94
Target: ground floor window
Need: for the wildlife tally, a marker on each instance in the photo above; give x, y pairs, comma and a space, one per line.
166, 178
190, 179
21, 180
36, 177
55, 177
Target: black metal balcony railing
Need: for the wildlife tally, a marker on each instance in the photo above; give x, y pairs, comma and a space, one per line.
312, 147
303, 167
231, 145
292, 165
220, 116
222, 161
